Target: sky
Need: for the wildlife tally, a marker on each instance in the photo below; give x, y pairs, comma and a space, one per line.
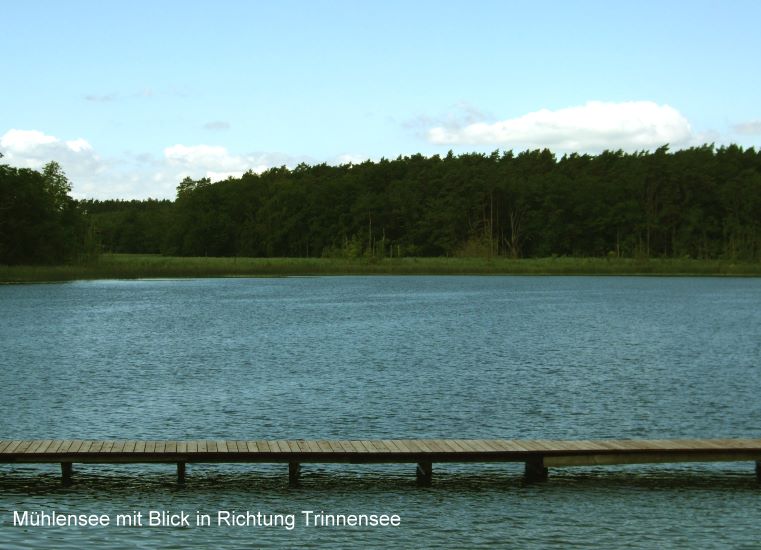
132, 97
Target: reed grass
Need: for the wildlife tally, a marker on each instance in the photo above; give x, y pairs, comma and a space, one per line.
141, 266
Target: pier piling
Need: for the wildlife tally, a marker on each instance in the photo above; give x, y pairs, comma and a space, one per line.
535, 470
67, 470
294, 472
424, 473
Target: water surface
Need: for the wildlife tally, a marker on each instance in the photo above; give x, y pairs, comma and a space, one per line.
388, 357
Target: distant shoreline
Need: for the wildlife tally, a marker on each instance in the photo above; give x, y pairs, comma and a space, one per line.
140, 266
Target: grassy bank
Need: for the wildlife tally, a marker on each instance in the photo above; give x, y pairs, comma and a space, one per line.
134, 266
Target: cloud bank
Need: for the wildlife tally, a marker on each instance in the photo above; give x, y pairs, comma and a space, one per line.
132, 176
752, 128
30, 144
594, 126
33, 149
217, 163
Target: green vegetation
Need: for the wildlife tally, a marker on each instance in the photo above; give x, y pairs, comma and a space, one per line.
39, 221
133, 266
694, 211
699, 203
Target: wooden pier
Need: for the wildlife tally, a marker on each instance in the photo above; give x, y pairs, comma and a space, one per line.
538, 455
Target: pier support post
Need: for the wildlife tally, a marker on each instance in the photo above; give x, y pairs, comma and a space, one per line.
758, 470
180, 472
535, 470
66, 471
294, 472
424, 473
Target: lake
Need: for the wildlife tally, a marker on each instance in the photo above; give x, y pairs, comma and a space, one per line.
387, 357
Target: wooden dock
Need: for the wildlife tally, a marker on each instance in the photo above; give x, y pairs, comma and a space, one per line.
538, 455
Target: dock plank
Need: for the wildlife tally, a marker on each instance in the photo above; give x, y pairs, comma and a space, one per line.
439, 446
24, 445
15, 445
346, 447
302, 446
323, 446
390, 445
476, 445
377, 447
37, 446
55, 446
359, 449
335, 446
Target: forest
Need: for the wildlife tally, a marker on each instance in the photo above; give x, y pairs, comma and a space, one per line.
702, 202
39, 221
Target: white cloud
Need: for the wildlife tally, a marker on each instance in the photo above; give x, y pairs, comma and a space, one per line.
210, 156
79, 145
217, 163
752, 128
139, 175
22, 141
91, 175
349, 158
459, 115
31, 144
33, 149
593, 126
217, 125
219, 176
131, 176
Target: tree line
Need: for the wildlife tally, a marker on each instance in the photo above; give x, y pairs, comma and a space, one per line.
39, 221
702, 202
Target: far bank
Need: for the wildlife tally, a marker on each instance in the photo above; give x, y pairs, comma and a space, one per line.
138, 266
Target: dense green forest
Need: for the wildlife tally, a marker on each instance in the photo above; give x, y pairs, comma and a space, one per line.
703, 202
39, 221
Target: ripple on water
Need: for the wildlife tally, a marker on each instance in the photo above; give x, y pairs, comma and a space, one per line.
388, 357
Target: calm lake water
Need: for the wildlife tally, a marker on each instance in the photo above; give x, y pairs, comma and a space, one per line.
388, 357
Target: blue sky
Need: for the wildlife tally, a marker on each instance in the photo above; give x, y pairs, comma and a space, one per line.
131, 97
